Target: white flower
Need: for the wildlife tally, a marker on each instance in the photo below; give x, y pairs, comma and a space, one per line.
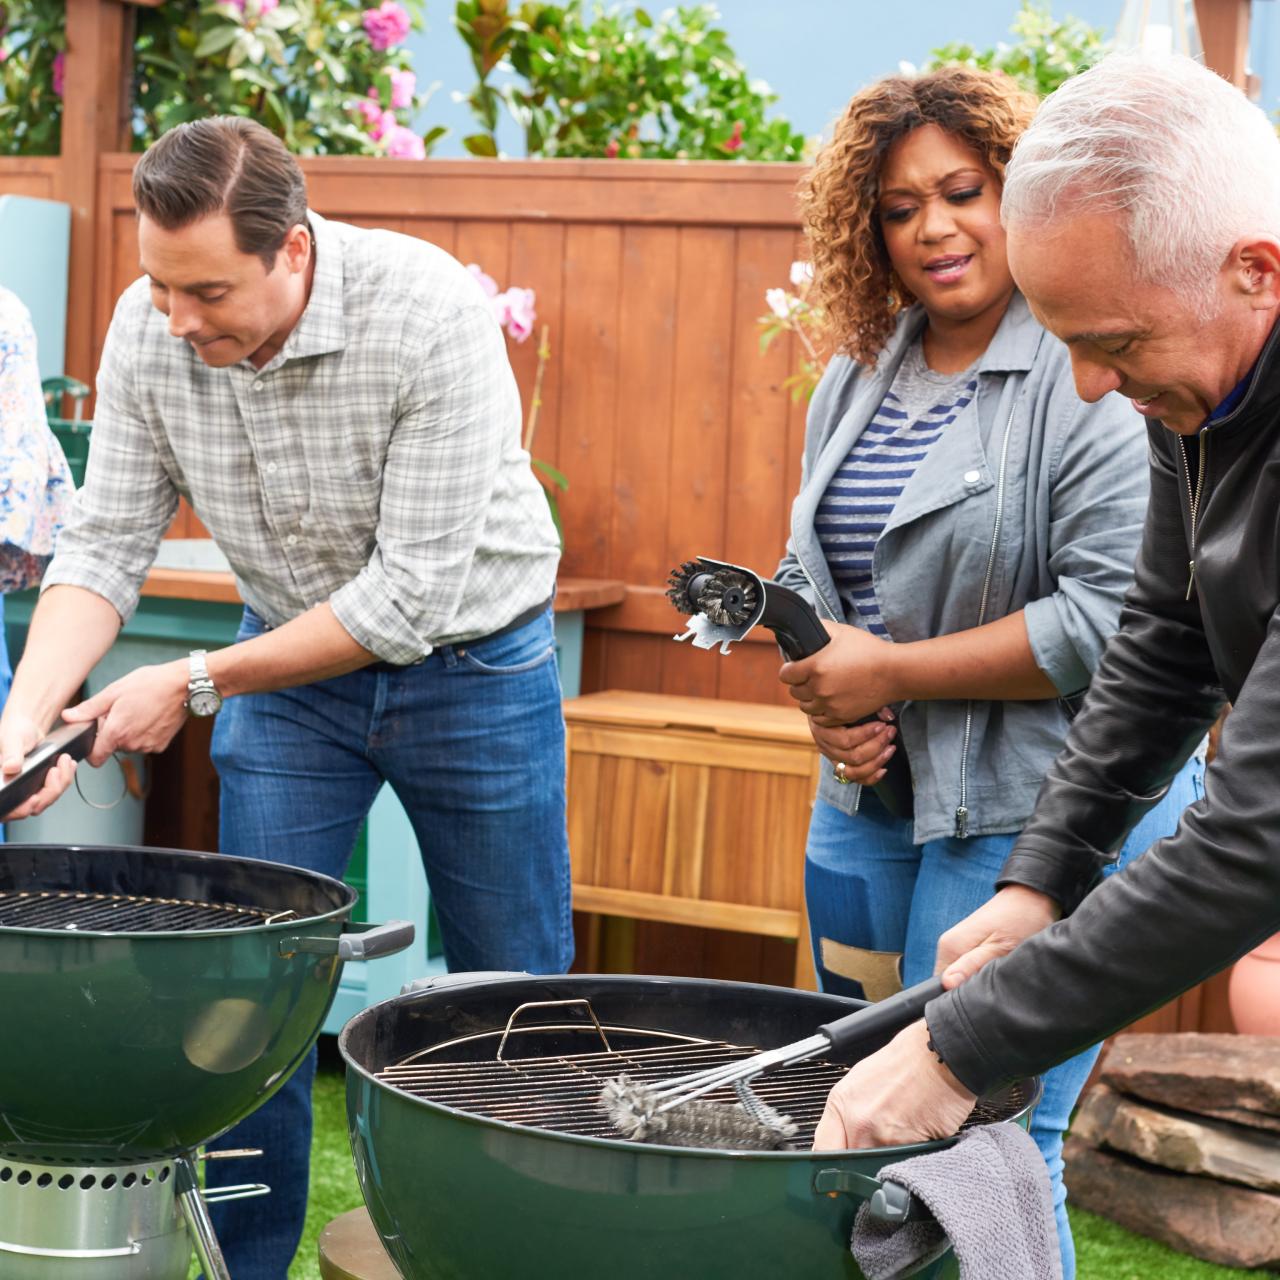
780, 302
801, 273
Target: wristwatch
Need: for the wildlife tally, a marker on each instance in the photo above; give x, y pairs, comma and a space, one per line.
202, 698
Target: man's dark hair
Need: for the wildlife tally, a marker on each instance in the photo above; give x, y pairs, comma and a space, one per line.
225, 164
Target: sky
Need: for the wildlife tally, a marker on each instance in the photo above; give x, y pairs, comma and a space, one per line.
813, 53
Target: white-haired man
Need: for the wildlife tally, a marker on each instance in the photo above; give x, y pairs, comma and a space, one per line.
1143, 216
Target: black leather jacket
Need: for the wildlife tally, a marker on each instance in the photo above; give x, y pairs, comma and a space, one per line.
1201, 898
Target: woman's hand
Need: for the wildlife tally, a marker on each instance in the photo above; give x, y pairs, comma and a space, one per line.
846, 680
863, 749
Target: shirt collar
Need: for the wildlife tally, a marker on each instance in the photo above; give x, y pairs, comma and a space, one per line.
321, 329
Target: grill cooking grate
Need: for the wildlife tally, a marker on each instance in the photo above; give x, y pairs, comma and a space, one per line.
560, 1092
123, 913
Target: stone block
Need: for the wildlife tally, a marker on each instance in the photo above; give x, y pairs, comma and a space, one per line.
1178, 1140
1208, 1219
1232, 1077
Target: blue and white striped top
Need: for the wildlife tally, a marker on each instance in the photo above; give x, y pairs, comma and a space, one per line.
853, 512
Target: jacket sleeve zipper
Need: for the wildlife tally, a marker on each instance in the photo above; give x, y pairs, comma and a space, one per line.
1193, 501
962, 809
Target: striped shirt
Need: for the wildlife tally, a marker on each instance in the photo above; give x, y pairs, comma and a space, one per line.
853, 512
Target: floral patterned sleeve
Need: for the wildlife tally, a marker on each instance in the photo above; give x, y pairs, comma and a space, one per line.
35, 486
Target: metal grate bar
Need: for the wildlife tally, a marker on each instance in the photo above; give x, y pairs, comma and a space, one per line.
561, 1093
119, 913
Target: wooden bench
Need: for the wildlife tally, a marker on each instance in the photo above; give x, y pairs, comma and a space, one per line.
691, 811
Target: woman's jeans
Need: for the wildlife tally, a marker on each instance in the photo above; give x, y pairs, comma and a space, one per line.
472, 742
869, 887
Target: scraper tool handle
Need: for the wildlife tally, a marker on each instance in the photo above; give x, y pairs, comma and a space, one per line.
74, 740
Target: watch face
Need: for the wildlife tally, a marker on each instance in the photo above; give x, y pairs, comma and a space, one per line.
204, 702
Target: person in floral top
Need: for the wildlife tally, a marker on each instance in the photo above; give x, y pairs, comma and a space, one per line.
36, 486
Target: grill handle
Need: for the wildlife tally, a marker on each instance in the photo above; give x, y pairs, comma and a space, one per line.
885, 1017
886, 1201
355, 942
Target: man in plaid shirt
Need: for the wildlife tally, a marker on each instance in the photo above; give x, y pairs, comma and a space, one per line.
337, 407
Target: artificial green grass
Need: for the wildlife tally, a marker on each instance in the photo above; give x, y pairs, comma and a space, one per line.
1104, 1251
334, 1188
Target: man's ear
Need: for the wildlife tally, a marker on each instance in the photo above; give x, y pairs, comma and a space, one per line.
1255, 264
297, 247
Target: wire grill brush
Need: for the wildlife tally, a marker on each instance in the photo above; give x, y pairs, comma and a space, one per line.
673, 1111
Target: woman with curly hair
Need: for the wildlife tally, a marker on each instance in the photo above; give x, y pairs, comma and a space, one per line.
969, 527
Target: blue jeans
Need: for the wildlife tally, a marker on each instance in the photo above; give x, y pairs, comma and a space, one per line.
472, 742
869, 887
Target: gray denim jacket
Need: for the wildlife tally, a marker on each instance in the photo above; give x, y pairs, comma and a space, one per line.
1031, 499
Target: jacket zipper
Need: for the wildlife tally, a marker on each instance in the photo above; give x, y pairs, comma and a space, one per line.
962, 809
1193, 500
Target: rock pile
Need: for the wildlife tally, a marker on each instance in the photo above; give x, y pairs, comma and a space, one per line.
1181, 1142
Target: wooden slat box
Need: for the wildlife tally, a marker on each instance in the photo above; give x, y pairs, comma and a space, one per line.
691, 811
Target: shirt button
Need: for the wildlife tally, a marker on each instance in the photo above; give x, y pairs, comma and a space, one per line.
972, 477
257, 386
291, 539
271, 468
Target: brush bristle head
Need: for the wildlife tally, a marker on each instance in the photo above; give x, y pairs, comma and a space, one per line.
632, 1109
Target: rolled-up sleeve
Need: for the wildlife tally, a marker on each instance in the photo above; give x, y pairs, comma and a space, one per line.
459, 414
1098, 496
128, 499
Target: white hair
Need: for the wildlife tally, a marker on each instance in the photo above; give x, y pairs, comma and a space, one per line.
1183, 157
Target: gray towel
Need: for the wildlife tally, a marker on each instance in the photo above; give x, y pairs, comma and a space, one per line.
990, 1200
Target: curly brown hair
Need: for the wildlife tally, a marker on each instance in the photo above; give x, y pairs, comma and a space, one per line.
853, 278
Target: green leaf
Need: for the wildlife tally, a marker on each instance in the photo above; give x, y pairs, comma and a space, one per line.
216, 39
554, 474
480, 144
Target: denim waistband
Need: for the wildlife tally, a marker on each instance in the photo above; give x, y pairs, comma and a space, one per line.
520, 620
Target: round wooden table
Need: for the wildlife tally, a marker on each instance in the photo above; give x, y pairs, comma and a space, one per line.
350, 1250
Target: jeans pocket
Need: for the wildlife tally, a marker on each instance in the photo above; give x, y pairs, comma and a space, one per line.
525, 649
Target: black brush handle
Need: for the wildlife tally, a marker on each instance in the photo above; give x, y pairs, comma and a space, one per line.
74, 740
800, 635
885, 1018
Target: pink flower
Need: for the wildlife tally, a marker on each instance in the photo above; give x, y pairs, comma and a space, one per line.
387, 25
734, 141
486, 282
403, 143
264, 6
404, 85
371, 112
612, 148
515, 312
59, 72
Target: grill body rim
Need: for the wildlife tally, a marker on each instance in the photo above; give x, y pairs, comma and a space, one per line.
343, 896
370, 1082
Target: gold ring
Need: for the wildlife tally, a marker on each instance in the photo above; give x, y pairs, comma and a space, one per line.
840, 777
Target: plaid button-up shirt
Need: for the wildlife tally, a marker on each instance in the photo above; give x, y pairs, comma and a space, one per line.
374, 462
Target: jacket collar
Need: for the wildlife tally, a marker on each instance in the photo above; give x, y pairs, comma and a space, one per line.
1262, 399
321, 329
1012, 349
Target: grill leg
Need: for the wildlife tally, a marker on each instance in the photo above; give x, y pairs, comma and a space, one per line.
208, 1251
